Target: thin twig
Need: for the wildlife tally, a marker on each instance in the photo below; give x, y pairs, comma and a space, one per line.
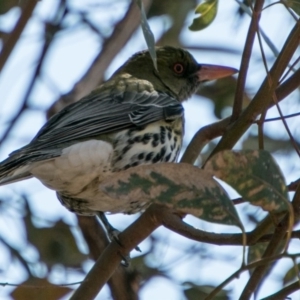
272, 248
263, 97
123, 280
50, 31
284, 292
262, 262
238, 100
261, 130
211, 131
14, 36
271, 83
290, 69
278, 118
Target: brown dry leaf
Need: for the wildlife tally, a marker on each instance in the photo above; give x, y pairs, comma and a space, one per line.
36, 289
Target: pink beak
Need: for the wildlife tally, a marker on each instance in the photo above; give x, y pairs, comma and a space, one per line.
210, 72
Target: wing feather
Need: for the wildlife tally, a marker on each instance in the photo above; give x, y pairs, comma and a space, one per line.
98, 114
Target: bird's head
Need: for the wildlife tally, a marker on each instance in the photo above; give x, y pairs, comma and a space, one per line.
178, 73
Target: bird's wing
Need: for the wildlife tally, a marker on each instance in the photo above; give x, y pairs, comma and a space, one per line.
91, 117
99, 114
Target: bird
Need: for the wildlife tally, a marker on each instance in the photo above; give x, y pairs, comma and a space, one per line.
136, 117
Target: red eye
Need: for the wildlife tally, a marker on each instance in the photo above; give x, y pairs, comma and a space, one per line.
178, 68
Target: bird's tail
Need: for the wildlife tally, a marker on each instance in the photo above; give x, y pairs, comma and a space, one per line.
13, 169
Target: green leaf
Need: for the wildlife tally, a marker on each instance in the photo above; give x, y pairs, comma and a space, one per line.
148, 34
181, 186
255, 176
291, 274
207, 11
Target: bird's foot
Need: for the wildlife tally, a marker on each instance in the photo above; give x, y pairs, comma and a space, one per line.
112, 232
113, 235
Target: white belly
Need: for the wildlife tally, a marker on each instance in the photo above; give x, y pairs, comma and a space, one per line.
77, 166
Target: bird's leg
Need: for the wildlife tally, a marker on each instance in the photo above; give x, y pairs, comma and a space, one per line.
112, 232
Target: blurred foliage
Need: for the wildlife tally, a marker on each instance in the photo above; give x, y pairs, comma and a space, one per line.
196, 292
34, 288
221, 92
178, 11
293, 4
5, 6
244, 3
55, 244
146, 272
270, 144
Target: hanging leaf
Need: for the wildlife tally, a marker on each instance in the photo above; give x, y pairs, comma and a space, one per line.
255, 176
180, 186
148, 34
207, 11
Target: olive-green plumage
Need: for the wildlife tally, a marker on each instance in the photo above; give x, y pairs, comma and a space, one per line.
136, 117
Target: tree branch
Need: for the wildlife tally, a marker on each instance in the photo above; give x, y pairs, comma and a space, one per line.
153, 217
211, 131
14, 36
201, 138
285, 292
238, 100
272, 248
263, 97
50, 31
123, 281
110, 259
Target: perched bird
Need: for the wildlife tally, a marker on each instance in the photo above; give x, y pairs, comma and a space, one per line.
136, 117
